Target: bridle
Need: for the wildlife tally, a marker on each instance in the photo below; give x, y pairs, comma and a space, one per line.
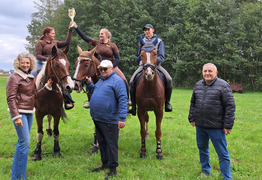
83, 82
54, 74
148, 49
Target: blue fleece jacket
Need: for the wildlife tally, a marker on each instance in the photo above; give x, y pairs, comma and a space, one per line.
108, 103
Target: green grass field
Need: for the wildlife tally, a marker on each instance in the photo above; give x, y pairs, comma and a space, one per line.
181, 160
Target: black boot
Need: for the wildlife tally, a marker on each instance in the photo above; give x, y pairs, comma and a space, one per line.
168, 107
112, 173
133, 99
103, 167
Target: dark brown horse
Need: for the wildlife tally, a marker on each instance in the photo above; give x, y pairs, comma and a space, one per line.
51, 104
150, 95
86, 66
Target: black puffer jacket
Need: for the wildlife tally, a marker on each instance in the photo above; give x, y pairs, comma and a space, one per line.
212, 105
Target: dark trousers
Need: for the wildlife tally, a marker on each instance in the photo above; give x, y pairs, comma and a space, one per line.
107, 135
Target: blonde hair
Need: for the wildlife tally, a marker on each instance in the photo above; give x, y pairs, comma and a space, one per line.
30, 56
109, 34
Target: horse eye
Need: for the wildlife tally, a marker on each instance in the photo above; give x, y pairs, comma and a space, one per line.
56, 66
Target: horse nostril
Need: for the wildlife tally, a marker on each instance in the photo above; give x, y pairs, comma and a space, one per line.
76, 86
68, 89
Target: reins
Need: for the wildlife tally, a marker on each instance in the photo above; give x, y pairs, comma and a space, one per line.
54, 74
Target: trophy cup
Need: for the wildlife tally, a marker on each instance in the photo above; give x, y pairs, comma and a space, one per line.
71, 13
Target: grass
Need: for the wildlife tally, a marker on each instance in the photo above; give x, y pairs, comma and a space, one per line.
181, 160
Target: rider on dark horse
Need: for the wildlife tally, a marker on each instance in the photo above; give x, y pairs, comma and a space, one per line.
150, 37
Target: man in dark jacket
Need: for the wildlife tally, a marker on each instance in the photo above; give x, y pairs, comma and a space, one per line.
108, 108
212, 112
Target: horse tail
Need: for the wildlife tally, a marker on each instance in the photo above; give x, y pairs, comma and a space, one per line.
64, 116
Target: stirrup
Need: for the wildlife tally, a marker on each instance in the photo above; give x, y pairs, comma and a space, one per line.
168, 107
129, 102
69, 106
87, 105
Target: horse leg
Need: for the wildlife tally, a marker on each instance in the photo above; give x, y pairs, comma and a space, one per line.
40, 134
143, 118
49, 130
147, 131
159, 116
95, 144
56, 137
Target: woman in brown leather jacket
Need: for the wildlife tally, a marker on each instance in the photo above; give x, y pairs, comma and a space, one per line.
20, 93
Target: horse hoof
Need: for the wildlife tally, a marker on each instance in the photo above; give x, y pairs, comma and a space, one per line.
57, 154
37, 157
159, 157
49, 132
95, 150
142, 155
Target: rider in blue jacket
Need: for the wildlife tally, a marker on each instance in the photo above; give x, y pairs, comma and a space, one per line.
150, 37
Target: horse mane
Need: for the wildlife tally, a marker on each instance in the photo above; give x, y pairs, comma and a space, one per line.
40, 76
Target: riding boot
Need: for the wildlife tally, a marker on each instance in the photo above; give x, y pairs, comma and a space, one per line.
168, 107
69, 103
133, 99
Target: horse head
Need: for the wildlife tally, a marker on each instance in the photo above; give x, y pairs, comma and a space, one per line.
86, 66
149, 57
57, 68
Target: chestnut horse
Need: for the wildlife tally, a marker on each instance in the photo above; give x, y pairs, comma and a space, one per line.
150, 95
86, 65
51, 104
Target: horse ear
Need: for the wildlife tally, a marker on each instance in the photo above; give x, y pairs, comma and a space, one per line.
79, 50
155, 41
93, 51
141, 41
54, 51
65, 51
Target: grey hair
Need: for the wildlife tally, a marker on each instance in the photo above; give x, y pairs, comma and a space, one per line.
210, 64
30, 56
109, 34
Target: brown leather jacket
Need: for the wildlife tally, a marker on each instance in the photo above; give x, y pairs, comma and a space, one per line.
21, 93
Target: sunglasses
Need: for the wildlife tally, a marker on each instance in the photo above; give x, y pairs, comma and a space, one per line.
103, 69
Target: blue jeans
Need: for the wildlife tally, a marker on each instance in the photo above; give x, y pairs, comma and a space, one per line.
22, 147
39, 66
218, 139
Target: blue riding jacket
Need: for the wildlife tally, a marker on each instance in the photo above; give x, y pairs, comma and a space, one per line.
108, 103
160, 50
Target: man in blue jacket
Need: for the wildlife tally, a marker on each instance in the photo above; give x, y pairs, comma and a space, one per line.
212, 112
108, 108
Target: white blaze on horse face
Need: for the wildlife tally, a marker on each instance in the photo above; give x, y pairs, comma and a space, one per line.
149, 74
63, 61
70, 82
77, 68
148, 58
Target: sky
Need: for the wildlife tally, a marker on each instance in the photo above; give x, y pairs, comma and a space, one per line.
15, 15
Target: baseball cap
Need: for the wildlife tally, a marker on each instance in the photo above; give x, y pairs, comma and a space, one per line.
105, 63
148, 26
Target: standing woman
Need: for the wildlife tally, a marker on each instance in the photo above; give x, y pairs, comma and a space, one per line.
20, 93
105, 49
43, 49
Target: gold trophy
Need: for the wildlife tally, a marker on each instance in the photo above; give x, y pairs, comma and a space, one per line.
71, 13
